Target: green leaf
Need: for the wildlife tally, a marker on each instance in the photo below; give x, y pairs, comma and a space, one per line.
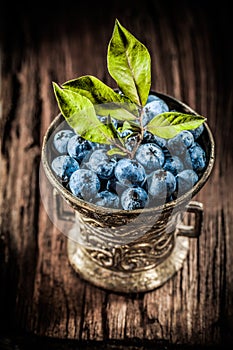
119, 111
116, 151
80, 114
106, 100
135, 127
129, 64
129, 126
126, 126
94, 89
169, 124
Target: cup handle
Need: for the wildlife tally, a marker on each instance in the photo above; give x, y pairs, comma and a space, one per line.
59, 208
192, 231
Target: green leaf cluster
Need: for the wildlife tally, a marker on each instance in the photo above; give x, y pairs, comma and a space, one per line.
84, 100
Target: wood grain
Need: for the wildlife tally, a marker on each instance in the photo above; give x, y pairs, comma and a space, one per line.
40, 293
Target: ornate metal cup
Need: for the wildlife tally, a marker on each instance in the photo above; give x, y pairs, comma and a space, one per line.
132, 251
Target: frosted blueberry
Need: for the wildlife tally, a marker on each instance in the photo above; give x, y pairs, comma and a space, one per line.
150, 156
100, 163
84, 184
107, 199
79, 148
198, 157
113, 185
96, 145
186, 179
105, 170
96, 157
173, 164
198, 131
134, 198
148, 137
161, 184
179, 144
187, 138
153, 108
63, 166
60, 140
131, 142
151, 98
130, 172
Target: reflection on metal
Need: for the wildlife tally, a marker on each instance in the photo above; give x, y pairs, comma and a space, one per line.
126, 281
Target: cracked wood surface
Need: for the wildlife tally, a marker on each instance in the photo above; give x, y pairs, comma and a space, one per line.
39, 291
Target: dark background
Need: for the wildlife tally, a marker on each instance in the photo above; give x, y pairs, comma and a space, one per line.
42, 19
25, 28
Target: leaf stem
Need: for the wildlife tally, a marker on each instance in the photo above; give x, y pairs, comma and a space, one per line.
140, 135
124, 149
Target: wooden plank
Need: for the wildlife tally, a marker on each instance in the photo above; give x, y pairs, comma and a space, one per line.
40, 292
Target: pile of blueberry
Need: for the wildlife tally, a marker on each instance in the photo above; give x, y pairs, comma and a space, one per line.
161, 170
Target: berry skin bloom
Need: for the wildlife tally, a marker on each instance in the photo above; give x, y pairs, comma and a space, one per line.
186, 179
61, 139
79, 148
152, 108
64, 166
198, 157
130, 172
107, 199
150, 156
179, 144
161, 184
134, 198
84, 184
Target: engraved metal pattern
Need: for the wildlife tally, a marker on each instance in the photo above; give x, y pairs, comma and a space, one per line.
146, 248
126, 281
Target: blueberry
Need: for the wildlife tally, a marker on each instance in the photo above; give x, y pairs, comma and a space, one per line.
186, 160
161, 184
79, 148
198, 131
100, 163
179, 144
173, 164
134, 198
96, 145
151, 98
148, 137
153, 108
96, 157
150, 156
198, 157
107, 199
113, 185
61, 139
186, 179
105, 170
63, 166
130, 172
84, 184
187, 138
131, 142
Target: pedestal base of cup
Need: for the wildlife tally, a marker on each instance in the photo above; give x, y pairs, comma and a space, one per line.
127, 282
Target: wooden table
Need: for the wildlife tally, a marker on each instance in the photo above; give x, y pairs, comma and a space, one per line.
43, 302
